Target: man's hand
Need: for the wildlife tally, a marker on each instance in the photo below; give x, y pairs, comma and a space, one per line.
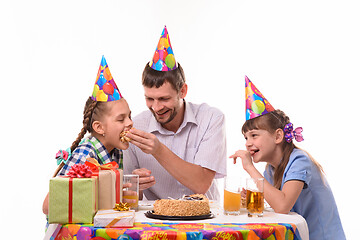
145, 178
147, 142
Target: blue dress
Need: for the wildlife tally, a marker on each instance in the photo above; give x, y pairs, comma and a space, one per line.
316, 202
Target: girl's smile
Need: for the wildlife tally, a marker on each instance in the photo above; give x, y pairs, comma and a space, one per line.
260, 144
253, 152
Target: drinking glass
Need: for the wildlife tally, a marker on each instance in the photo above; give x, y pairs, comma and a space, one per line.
132, 191
255, 197
232, 196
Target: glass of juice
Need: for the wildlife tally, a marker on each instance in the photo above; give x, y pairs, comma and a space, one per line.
131, 190
232, 196
255, 196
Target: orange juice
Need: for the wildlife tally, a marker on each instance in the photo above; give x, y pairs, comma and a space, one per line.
135, 204
232, 201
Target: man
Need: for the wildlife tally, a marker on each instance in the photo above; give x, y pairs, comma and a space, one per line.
177, 147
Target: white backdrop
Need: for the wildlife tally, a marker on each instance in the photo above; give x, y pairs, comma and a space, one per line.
303, 56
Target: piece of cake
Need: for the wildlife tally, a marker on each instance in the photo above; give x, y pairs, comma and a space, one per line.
193, 205
124, 138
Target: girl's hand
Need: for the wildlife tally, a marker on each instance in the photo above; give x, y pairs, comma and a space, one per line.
245, 158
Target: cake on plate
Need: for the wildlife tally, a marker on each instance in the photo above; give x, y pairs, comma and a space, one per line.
189, 205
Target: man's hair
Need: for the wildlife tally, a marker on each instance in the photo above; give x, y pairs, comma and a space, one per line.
151, 77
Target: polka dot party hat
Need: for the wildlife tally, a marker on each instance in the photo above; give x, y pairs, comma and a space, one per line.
163, 59
255, 103
105, 89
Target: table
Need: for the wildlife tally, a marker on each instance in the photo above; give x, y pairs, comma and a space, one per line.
222, 227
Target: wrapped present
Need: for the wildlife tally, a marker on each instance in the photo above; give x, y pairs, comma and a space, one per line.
72, 199
110, 182
113, 218
110, 188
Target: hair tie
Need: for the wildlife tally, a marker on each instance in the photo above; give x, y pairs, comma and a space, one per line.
290, 134
62, 156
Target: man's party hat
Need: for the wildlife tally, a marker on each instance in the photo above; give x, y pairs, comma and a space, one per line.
105, 89
163, 59
255, 103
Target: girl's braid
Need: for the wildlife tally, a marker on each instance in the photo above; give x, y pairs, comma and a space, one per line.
88, 111
282, 118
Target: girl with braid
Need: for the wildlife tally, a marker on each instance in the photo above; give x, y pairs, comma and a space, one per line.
106, 117
294, 181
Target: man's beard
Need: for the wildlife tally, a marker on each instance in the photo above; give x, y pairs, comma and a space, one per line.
171, 117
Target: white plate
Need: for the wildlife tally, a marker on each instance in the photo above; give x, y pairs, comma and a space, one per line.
145, 205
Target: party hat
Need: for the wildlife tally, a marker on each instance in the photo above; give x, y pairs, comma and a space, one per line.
105, 89
163, 59
255, 103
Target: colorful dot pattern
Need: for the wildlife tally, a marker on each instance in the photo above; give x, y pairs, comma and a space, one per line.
255, 103
163, 59
183, 231
105, 88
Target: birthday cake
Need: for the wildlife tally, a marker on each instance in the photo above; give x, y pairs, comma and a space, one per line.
193, 205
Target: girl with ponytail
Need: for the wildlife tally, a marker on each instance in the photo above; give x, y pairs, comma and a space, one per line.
106, 117
294, 181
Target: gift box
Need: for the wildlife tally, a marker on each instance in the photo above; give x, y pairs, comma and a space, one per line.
113, 218
110, 188
72, 200
110, 182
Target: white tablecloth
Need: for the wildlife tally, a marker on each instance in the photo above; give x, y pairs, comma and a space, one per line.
269, 217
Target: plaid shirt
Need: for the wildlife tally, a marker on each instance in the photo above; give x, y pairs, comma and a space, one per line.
92, 148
